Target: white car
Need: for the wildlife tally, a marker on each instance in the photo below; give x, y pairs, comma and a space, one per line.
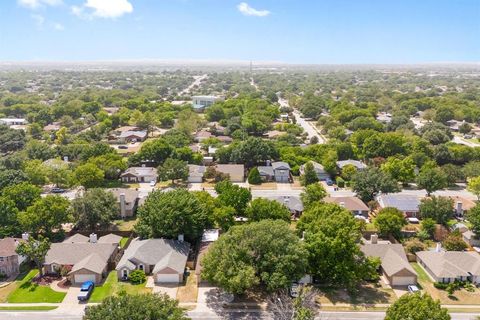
152, 183
413, 289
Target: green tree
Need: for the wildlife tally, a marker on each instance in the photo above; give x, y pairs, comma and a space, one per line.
136, 307
169, 214
309, 175
400, 170
474, 186
431, 179
313, 193
95, 208
10, 177
348, 172
9, 225
454, 242
232, 195
224, 217
46, 215
439, 209
23, 194
253, 151
416, 307
262, 209
369, 182
173, 169
89, 175
428, 226
157, 151
473, 216
36, 172
390, 221
35, 250
260, 253
331, 238
254, 176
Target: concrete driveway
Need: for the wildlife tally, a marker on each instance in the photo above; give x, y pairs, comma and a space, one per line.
169, 288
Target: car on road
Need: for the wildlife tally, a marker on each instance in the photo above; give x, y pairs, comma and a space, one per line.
413, 288
329, 182
86, 290
122, 147
57, 190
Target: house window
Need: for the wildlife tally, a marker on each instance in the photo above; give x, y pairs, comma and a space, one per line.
140, 267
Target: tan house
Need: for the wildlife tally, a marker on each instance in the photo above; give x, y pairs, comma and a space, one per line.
9, 260
163, 258
235, 171
395, 266
352, 204
139, 174
127, 200
85, 258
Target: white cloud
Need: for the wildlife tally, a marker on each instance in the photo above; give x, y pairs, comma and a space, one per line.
58, 26
105, 8
33, 4
245, 9
39, 20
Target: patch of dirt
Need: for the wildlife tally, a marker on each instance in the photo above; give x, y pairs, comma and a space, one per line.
46, 280
65, 284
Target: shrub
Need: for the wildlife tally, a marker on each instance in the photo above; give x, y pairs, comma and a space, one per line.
340, 182
440, 285
137, 277
254, 176
414, 245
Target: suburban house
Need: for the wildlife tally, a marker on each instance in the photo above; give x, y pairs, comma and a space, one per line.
202, 135
195, 173
13, 121
394, 263
235, 171
208, 237
462, 205
322, 175
201, 102
55, 126
139, 174
85, 258
163, 258
352, 204
277, 171
448, 266
357, 164
408, 204
127, 200
9, 260
293, 203
131, 136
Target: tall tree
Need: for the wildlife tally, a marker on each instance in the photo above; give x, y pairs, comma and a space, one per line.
9, 225
95, 208
309, 175
35, 250
23, 194
390, 221
416, 307
234, 196
265, 252
431, 179
369, 182
439, 209
173, 169
89, 175
473, 216
262, 209
474, 186
313, 193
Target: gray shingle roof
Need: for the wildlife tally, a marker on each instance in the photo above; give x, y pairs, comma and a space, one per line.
393, 257
403, 202
265, 171
162, 253
110, 238
291, 202
91, 262
350, 203
77, 238
140, 171
279, 165
72, 253
357, 164
451, 264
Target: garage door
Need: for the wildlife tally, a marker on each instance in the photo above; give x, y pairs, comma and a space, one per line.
80, 278
168, 278
403, 281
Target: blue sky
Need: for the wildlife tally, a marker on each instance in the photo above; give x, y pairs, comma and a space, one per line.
294, 31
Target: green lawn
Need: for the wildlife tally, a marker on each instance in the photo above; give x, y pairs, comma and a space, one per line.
123, 242
29, 308
112, 287
422, 275
28, 292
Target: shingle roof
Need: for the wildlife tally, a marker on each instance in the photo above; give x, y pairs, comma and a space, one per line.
126, 134
8, 246
316, 166
162, 253
280, 165
393, 257
265, 170
140, 171
77, 238
196, 171
231, 169
403, 202
291, 202
92, 262
110, 238
131, 195
357, 164
451, 264
350, 203
72, 253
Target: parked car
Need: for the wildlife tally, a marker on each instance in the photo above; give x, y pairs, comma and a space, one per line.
329, 182
413, 288
57, 190
152, 183
122, 147
294, 290
86, 291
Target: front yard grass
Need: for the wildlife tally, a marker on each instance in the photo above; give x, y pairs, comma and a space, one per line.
28, 308
28, 292
112, 286
459, 297
124, 225
368, 293
189, 291
123, 242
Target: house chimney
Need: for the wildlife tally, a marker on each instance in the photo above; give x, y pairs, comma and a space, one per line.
180, 237
25, 236
374, 239
438, 248
122, 205
93, 238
